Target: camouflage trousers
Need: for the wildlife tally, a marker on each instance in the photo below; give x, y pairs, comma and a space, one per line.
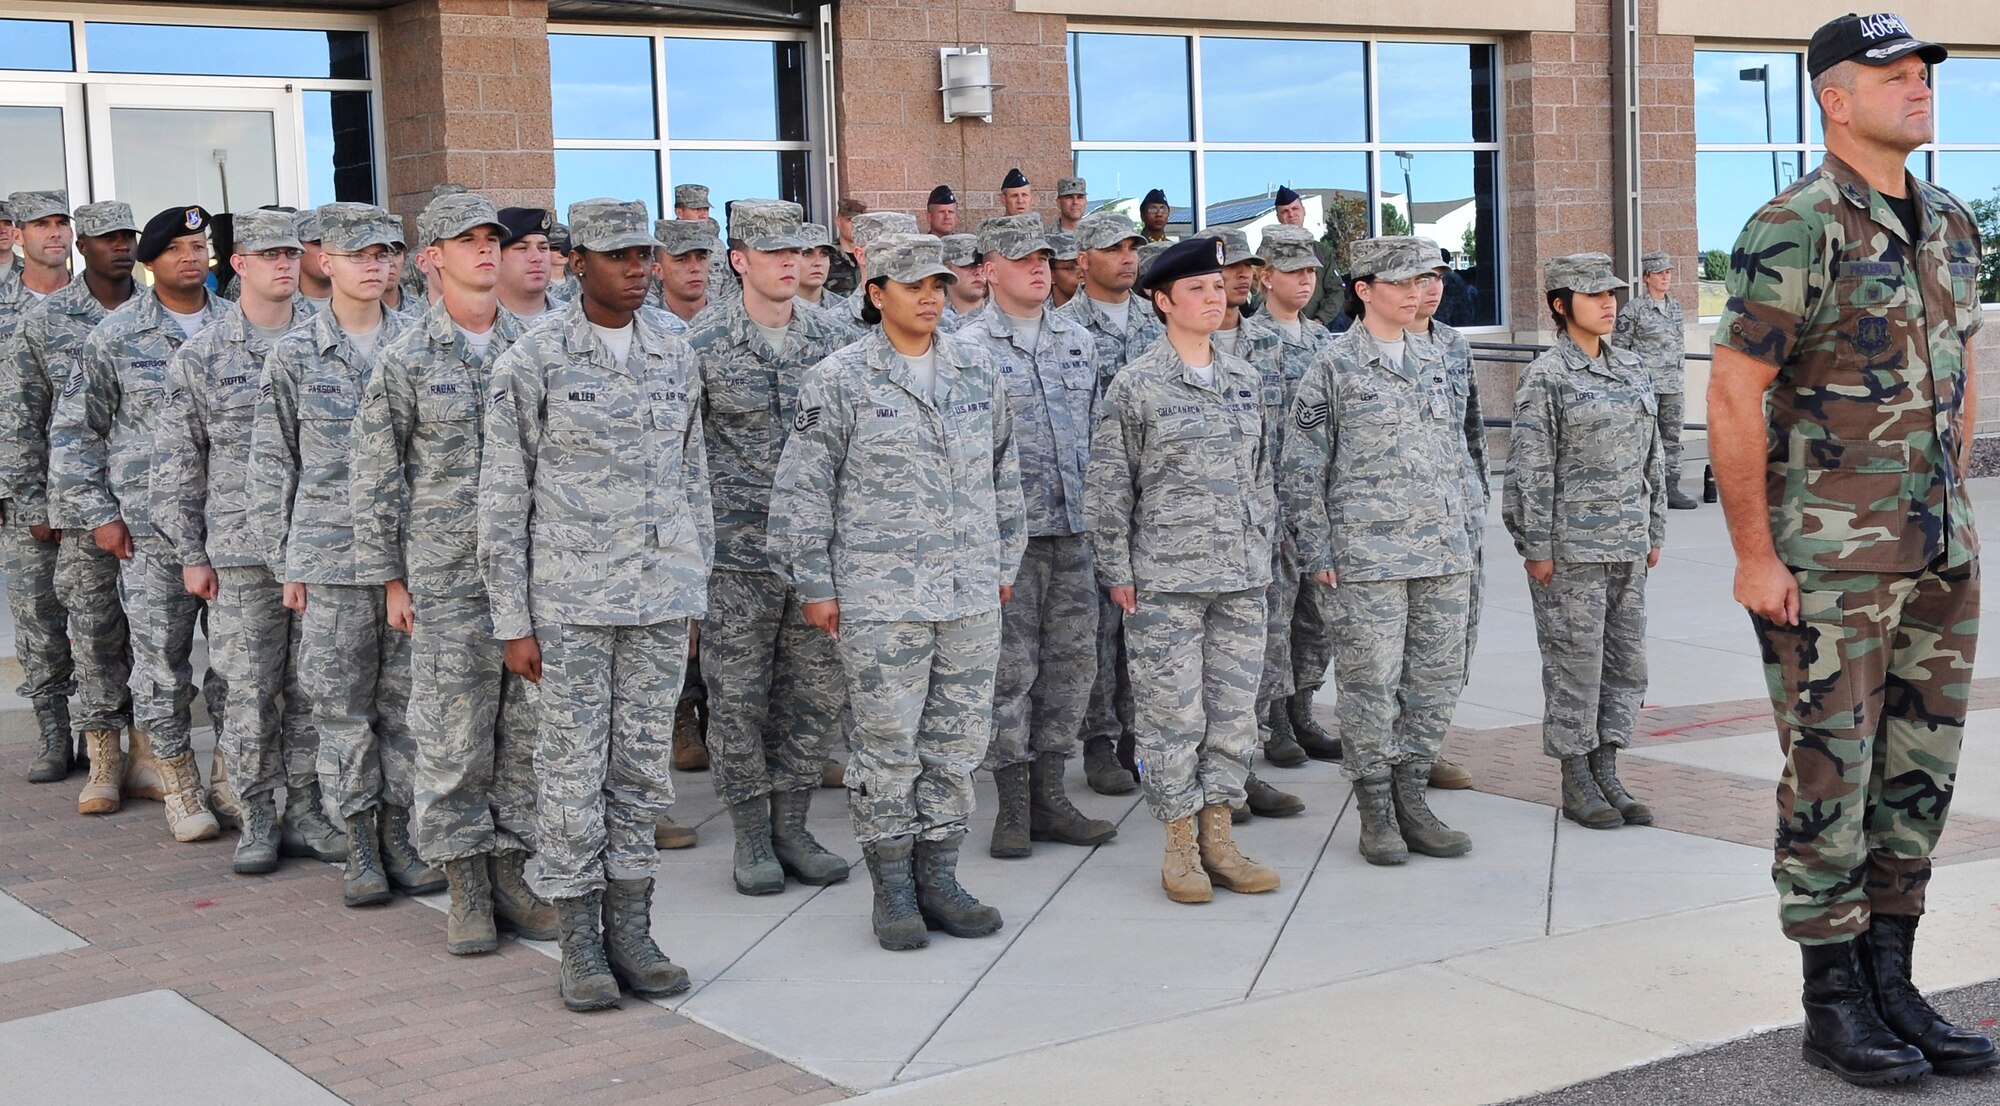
1869, 691
921, 694
1048, 653
1591, 624
267, 736
1281, 601
1399, 663
99, 641
162, 616
1312, 636
41, 625
1475, 602
1196, 660
475, 725
774, 706
603, 754
356, 672
1109, 713
1673, 411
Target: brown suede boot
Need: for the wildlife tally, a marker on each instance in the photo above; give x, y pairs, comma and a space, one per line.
143, 778
101, 792
669, 834
222, 800
187, 812
1228, 868
1182, 874
690, 754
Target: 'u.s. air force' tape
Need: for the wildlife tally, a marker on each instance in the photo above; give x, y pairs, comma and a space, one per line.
806, 419
1309, 416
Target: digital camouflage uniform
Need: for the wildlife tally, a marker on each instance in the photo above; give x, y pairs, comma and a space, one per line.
906, 509
202, 509
1373, 476
355, 669
776, 689
1048, 630
1868, 331
416, 497
100, 464
868, 227
1449, 344
1182, 507
1585, 490
1655, 331
596, 537
41, 624
1110, 715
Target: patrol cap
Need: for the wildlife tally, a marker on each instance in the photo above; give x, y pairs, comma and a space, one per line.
941, 195
1063, 245
1013, 236
1070, 186
1014, 179
104, 217
768, 225
603, 225
311, 227
1656, 261
871, 225
169, 224
26, 207
1393, 257
961, 249
908, 258
450, 214
1236, 247
1156, 196
1285, 196
690, 195
680, 237
516, 223
1588, 273
815, 236
1874, 40
1190, 257
558, 236
265, 229
1150, 252
1288, 248
1101, 230
448, 188
352, 226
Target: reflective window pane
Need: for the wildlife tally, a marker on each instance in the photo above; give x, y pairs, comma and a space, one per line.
1129, 88
1730, 92
1241, 187
1435, 92
735, 89
729, 175
601, 86
36, 44
226, 51
1968, 91
1121, 178
1975, 178
33, 139
1283, 90
340, 142
1729, 188
618, 174
165, 157
1456, 200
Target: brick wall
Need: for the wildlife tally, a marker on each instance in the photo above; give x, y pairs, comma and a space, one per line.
465, 98
895, 146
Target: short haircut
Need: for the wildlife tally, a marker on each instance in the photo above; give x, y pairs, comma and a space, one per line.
850, 207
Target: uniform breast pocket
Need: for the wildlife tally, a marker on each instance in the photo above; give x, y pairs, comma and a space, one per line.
1018, 381
448, 407
738, 395
327, 403
1869, 289
580, 426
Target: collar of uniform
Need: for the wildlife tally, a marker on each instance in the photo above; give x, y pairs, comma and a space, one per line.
952, 358
1864, 196
579, 338
1574, 358
232, 325
75, 297
443, 331
328, 336
1371, 351
1002, 325
744, 331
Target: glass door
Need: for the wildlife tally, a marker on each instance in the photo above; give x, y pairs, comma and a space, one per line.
41, 130
227, 149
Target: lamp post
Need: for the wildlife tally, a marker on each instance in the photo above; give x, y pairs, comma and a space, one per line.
1762, 75
1404, 158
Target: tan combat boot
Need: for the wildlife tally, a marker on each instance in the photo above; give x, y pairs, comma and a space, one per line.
187, 814
100, 794
690, 752
669, 834
833, 774
143, 776
1227, 867
1182, 873
222, 800
1447, 776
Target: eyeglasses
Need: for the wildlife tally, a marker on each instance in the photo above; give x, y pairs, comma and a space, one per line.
1409, 284
378, 258
283, 253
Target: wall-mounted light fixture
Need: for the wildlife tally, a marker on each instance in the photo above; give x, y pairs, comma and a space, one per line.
967, 82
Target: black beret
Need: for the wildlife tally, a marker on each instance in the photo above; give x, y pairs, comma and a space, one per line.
1286, 195
941, 195
1187, 258
520, 222
1015, 179
168, 225
1154, 197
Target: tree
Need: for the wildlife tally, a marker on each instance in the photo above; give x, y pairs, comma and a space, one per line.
1987, 214
1715, 264
1346, 220
1468, 248
1393, 222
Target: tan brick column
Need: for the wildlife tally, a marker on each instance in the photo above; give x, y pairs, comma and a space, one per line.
465, 98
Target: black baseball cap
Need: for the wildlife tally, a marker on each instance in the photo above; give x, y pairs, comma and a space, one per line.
1873, 40
174, 222
1188, 257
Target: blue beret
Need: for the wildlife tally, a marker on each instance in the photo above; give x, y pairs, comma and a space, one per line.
1286, 195
1189, 257
1154, 197
941, 195
1015, 179
174, 222
520, 222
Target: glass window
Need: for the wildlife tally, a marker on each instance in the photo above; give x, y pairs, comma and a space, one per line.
1283, 90
1974, 176
619, 174
1233, 176
223, 160
729, 174
1729, 187
601, 86
1123, 177
1129, 88
33, 139
340, 141
1968, 94
39, 44
227, 51
1435, 92
737, 89
1730, 97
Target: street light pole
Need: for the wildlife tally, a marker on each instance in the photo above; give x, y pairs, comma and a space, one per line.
1405, 157
1762, 75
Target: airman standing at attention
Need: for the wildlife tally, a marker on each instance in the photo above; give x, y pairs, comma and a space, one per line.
941, 212
1017, 197
1072, 201
1651, 326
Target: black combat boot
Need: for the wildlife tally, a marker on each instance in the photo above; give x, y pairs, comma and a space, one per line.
1604, 766
1886, 952
1281, 747
628, 941
587, 982
1011, 831
364, 883
1266, 801
1844, 1031
1306, 730
1051, 816
1101, 769
52, 763
407, 871
306, 831
943, 903
899, 926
